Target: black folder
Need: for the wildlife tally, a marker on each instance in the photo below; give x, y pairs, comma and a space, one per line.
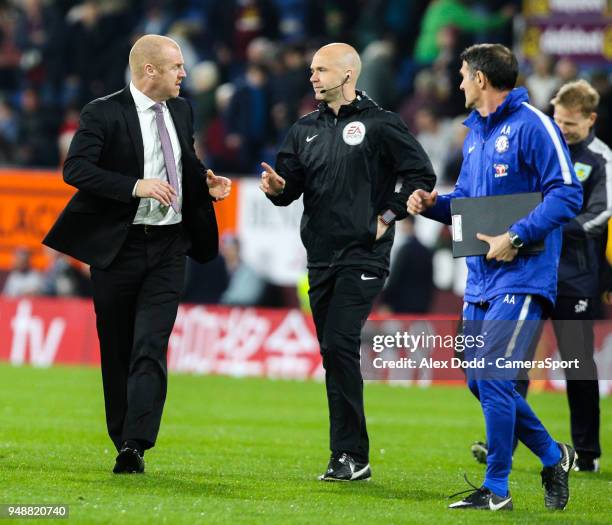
491, 216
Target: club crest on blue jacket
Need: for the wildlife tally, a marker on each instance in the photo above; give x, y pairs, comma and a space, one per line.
502, 144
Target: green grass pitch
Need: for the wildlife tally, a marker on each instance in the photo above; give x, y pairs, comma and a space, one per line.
249, 450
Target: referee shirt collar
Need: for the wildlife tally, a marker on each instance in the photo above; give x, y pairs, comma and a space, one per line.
141, 100
360, 102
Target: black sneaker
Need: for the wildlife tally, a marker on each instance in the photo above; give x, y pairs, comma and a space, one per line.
586, 464
555, 479
481, 498
345, 468
480, 451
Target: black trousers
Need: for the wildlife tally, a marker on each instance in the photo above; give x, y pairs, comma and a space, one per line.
136, 300
341, 299
572, 320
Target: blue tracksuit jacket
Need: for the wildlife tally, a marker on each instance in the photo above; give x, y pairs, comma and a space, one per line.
517, 149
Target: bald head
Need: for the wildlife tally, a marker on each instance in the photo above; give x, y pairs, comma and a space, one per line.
334, 72
342, 56
157, 67
149, 49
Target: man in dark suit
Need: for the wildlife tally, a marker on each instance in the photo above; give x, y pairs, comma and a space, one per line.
144, 201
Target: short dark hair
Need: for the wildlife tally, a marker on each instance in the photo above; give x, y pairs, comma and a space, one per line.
494, 61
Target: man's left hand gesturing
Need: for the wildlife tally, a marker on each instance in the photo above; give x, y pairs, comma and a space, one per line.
218, 187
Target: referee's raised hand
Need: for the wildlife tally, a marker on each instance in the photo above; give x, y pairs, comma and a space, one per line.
271, 182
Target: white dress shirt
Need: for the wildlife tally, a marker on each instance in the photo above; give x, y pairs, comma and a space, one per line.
151, 211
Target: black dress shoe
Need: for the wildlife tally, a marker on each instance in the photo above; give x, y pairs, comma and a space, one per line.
129, 461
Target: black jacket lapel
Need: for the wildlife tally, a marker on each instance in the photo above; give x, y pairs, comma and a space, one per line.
179, 125
133, 125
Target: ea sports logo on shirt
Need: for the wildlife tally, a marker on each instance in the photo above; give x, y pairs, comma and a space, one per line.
354, 133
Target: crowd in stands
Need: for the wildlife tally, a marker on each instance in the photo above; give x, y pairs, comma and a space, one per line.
228, 279
248, 67
247, 63
63, 277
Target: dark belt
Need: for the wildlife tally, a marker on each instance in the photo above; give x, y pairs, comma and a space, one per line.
150, 229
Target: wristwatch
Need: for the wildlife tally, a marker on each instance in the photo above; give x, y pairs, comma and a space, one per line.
515, 240
388, 217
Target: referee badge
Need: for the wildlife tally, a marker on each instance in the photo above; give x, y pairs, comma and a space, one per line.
354, 133
582, 171
502, 144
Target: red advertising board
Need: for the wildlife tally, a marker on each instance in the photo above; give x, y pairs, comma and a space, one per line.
205, 339
220, 340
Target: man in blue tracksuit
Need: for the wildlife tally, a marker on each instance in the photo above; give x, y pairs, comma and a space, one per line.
581, 263
511, 148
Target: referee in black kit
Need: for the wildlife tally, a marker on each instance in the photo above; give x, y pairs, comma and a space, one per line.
346, 158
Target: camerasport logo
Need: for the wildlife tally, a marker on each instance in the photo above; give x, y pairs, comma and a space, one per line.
354, 133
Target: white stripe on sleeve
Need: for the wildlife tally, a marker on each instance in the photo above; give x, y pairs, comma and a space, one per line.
598, 146
548, 125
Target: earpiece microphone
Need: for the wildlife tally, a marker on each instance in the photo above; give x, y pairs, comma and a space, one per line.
336, 87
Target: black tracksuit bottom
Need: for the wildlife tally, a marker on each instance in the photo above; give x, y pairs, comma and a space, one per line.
572, 320
341, 299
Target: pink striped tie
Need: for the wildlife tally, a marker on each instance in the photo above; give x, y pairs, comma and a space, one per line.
166, 145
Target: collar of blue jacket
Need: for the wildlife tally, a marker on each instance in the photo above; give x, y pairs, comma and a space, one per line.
510, 104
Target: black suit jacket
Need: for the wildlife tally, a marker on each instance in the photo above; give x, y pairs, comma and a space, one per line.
105, 159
